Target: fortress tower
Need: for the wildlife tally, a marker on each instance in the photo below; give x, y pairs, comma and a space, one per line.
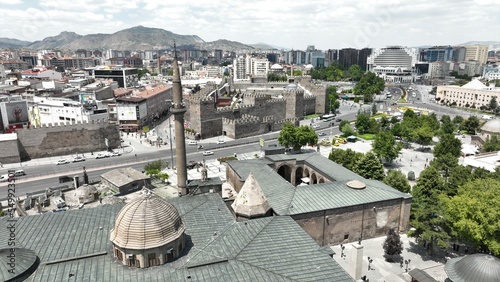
178, 109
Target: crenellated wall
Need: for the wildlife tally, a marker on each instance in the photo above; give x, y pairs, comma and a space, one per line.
260, 103
66, 139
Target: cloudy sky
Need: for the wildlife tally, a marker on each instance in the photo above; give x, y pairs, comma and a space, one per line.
284, 23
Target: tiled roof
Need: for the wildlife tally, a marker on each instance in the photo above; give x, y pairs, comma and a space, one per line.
123, 176
217, 247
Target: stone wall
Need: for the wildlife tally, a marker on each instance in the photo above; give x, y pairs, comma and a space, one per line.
349, 224
9, 152
67, 139
205, 119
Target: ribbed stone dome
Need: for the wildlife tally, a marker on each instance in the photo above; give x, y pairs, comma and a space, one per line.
146, 223
474, 268
492, 126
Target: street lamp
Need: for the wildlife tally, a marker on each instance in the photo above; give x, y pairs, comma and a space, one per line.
407, 262
370, 263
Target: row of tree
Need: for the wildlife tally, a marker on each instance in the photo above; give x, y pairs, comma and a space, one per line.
335, 72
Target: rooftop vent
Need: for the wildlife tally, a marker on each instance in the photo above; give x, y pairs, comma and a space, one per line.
355, 184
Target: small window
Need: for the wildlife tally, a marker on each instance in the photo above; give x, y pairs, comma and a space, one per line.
346, 237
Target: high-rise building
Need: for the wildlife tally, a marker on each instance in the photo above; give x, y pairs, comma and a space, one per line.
239, 68
363, 57
218, 55
459, 53
348, 57
476, 53
437, 53
393, 63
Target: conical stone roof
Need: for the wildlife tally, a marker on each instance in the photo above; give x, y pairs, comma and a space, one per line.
251, 201
146, 223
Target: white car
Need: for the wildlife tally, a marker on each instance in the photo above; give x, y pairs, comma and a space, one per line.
316, 126
192, 142
115, 154
4, 177
221, 142
100, 156
78, 159
62, 161
208, 153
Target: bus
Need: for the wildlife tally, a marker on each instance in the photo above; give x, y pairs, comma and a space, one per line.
329, 117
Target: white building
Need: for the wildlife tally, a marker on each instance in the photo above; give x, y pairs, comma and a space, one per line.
473, 94
240, 69
393, 63
259, 67
61, 110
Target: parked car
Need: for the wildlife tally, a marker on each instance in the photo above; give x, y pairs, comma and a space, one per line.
321, 134
4, 177
115, 154
316, 126
78, 159
18, 172
192, 142
62, 161
338, 120
100, 156
221, 142
208, 153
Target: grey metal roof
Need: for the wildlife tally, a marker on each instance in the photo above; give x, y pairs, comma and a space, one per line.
217, 247
285, 199
476, 267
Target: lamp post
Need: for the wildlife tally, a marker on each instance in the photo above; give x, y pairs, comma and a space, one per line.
370, 263
407, 262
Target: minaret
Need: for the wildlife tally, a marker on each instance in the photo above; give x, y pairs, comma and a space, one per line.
178, 111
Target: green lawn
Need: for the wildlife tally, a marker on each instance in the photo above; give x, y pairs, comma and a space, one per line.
312, 116
367, 136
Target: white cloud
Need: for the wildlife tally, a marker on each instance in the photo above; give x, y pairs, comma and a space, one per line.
288, 23
10, 2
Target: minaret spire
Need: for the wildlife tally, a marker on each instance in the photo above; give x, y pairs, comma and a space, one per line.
178, 109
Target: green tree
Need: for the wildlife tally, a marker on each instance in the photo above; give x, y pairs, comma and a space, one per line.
154, 169
471, 125
493, 103
369, 166
448, 144
447, 127
445, 163
384, 123
362, 123
142, 72
334, 104
347, 130
296, 137
492, 143
346, 158
369, 84
385, 146
393, 244
426, 211
474, 213
459, 175
396, 179
374, 109
423, 135
355, 72
457, 120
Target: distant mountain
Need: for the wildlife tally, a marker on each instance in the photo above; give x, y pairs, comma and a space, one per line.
12, 43
492, 44
265, 46
224, 45
135, 38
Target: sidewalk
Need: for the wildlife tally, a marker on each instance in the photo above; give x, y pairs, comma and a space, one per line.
381, 270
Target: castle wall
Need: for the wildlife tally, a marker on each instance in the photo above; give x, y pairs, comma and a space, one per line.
56, 140
9, 152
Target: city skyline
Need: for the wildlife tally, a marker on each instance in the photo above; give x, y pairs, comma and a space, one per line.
290, 24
